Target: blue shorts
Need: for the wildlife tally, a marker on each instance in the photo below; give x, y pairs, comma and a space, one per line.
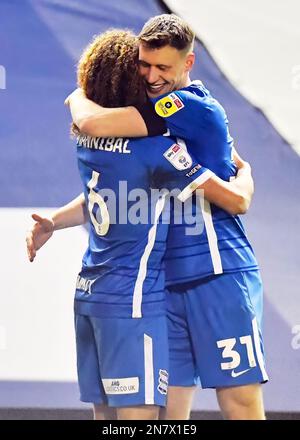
122, 361
215, 332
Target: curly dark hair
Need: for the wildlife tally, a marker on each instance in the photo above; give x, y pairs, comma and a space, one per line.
108, 70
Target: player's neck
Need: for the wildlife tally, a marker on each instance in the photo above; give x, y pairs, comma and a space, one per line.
186, 82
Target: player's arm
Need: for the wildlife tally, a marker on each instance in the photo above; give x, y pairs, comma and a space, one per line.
187, 115
72, 214
235, 196
180, 114
94, 120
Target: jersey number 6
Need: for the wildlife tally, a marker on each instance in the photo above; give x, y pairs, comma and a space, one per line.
96, 199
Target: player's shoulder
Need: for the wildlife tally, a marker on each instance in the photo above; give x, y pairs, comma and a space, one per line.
195, 89
199, 95
203, 100
195, 98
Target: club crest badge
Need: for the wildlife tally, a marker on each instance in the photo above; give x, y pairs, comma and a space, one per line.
178, 157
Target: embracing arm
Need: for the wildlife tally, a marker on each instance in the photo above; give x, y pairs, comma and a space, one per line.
235, 196
72, 214
97, 121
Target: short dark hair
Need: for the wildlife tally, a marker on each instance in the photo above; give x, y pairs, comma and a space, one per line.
167, 30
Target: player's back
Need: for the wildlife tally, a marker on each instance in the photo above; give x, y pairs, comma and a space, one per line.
122, 179
117, 183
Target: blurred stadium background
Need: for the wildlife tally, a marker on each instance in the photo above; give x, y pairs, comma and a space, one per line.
248, 56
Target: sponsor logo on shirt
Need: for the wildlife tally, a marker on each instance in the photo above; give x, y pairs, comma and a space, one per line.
178, 157
163, 380
168, 105
193, 171
84, 284
126, 385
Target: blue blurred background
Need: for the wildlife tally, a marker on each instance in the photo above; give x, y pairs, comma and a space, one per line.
40, 43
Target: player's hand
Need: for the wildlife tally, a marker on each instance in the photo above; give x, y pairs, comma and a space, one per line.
243, 167
76, 92
38, 235
241, 164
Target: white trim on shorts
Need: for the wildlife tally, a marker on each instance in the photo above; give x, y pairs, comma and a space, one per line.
149, 373
259, 353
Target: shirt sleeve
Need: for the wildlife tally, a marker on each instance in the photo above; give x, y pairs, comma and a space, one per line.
188, 115
154, 123
180, 170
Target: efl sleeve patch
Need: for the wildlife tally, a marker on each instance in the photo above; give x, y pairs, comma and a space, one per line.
178, 157
168, 105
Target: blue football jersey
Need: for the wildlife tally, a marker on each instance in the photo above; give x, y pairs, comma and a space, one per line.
221, 246
126, 186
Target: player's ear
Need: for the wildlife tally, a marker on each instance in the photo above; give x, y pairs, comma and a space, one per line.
189, 61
